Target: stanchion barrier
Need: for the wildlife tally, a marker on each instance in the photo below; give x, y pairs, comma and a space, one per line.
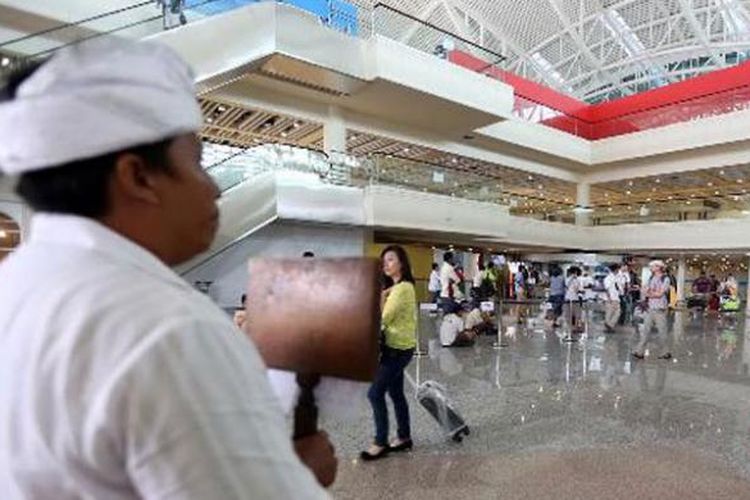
500, 343
429, 307
570, 326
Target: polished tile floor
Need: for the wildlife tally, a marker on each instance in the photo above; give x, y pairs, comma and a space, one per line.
552, 419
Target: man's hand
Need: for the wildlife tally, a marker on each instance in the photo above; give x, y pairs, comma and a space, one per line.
319, 455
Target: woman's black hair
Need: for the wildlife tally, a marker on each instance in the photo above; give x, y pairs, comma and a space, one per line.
403, 258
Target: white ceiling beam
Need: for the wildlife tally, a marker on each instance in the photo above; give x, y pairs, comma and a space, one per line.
424, 15
514, 46
700, 33
581, 44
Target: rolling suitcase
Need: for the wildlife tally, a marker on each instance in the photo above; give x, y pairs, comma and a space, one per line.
433, 398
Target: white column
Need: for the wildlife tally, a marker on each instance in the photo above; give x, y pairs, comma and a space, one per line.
334, 144
747, 295
334, 131
681, 273
583, 200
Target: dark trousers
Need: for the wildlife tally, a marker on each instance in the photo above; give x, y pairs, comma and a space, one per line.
390, 379
557, 302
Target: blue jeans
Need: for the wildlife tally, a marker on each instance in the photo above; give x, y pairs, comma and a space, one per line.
390, 379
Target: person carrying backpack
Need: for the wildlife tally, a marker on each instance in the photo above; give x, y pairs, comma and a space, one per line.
657, 296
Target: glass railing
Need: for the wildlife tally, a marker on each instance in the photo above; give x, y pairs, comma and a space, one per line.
671, 211
407, 29
149, 17
403, 173
230, 166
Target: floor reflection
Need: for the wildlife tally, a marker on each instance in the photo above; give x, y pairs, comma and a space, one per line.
543, 394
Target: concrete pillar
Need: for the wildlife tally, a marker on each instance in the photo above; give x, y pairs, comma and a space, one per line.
334, 144
747, 295
583, 200
681, 273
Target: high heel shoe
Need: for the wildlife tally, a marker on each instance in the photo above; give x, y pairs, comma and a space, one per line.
370, 457
406, 445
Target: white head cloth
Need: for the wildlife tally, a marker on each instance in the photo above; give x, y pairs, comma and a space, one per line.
657, 263
96, 98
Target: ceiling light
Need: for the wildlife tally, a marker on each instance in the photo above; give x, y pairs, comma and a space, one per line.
209, 120
658, 181
531, 177
740, 181
717, 193
710, 184
406, 150
721, 172
3, 233
455, 160
630, 183
628, 193
5, 62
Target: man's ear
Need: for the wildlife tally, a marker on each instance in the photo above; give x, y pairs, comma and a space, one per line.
134, 180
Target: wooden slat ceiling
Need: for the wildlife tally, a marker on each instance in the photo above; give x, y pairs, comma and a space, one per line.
720, 188
231, 124
234, 125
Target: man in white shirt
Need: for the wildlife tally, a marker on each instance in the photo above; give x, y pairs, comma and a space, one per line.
117, 379
449, 280
453, 330
433, 286
611, 300
623, 283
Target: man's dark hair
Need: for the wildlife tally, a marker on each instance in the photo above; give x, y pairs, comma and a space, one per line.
435, 265
308, 255
448, 257
82, 187
79, 187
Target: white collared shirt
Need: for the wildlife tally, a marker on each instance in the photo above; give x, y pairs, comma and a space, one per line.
119, 381
448, 278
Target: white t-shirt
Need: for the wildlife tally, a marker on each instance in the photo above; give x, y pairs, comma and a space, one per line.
623, 281
448, 276
473, 319
434, 284
573, 286
451, 326
612, 288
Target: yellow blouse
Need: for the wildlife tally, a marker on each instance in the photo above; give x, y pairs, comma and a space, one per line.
400, 317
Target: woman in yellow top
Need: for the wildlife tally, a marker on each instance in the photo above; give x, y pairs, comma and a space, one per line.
399, 306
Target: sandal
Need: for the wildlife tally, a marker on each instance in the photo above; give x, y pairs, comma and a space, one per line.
371, 457
405, 445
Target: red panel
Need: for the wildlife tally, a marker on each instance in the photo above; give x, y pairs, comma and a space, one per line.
525, 88
715, 82
712, 94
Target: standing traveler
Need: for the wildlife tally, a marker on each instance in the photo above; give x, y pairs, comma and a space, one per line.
611, 299
623, 283
117, 378
656, 292
572, 307
449, 281
399, 332
433, 286
556, 293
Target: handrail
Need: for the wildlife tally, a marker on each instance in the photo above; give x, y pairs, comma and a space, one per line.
500, 57
76, 23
